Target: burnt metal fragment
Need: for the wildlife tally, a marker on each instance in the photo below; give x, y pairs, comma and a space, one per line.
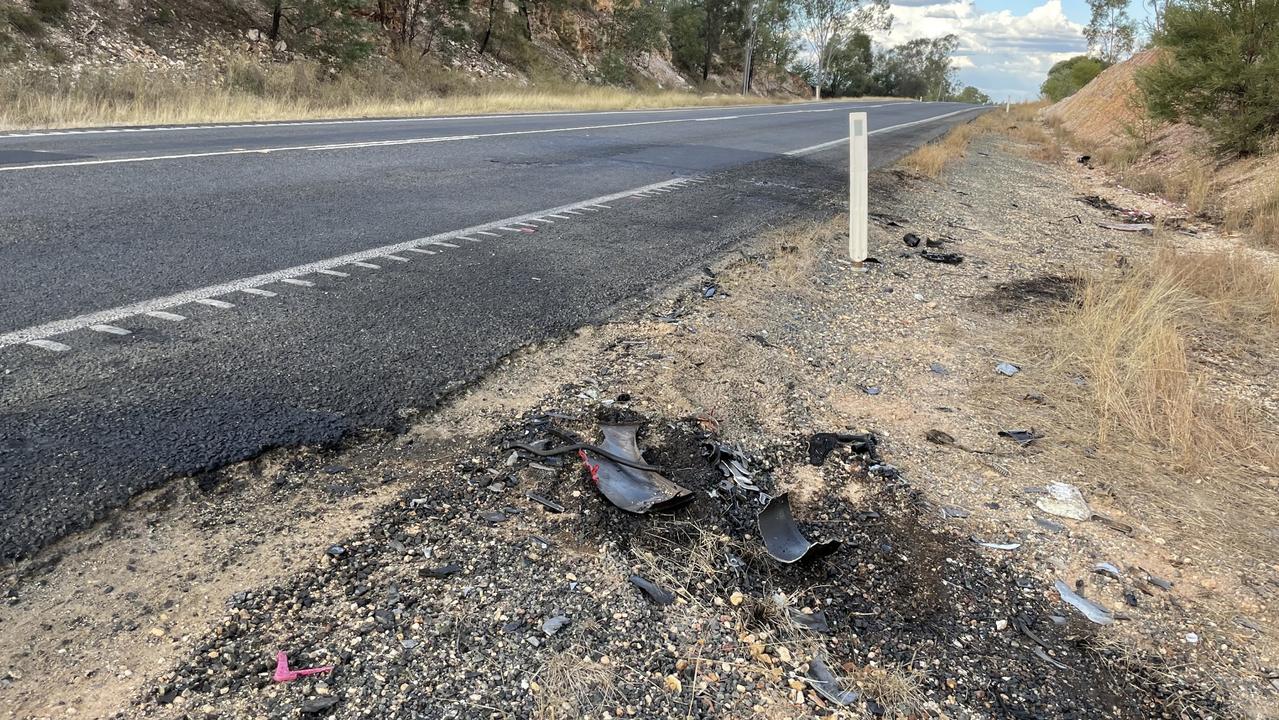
628, 487
782, 537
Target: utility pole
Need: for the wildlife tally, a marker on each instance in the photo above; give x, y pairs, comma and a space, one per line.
749, 59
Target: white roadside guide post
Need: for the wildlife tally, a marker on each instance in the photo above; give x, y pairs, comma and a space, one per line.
857, 189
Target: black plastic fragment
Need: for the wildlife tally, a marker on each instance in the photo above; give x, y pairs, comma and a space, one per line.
939, 437
944, 258
825, 683
1022, 437
659, 595
911, 239
442, 571
782, 537
546, 502
816, 622
821, 444
629, 488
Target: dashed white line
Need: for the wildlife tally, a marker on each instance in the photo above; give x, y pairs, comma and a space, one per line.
49, 345
172, 317
396, 258
486, 232
523, 224
334, 273
206, 295
259, 292
110, 329
419, 251
299, 283
560, 217
510, 229
468, 238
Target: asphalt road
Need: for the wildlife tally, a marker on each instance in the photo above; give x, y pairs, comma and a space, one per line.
176, 299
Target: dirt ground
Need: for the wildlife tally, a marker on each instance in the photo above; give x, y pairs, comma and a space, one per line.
419, 567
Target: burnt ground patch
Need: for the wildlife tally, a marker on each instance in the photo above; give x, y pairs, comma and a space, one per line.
439, 609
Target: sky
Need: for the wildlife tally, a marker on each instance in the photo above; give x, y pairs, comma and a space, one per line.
1005, 46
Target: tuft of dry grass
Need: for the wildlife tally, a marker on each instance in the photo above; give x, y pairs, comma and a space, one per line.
245, 90
1131, 335
572, 685
1164, 351
929, 160
1260, 222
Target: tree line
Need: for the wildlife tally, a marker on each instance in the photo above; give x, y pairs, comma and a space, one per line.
826, 42
1218, 69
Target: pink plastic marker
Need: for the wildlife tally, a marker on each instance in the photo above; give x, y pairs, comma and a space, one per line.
284, 674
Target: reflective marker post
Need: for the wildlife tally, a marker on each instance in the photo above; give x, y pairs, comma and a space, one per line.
858, 170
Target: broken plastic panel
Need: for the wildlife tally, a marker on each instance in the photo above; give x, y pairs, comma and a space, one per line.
659, 595
629, 488
825, 683
1021, 437
782, 537
1090, 610
284, 674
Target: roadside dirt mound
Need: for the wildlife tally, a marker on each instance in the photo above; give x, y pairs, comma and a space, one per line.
1108, 110
1107, 120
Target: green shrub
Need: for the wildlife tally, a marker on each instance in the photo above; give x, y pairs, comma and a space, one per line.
1068, 76
1221, 72
25, 23
51, 10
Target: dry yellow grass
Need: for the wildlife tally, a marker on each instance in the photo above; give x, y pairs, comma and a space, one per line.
1164, 350
245, 91
1260, 222
1131, 335
1019, 122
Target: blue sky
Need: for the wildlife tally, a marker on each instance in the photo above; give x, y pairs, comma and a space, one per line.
1006, 46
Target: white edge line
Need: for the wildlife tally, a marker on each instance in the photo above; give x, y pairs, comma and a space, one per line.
377, 143
384, 121
206, 294
174, 317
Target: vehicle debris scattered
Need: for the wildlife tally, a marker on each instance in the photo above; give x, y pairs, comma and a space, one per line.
1064, 500
623, 481
284, 674
783, 538
820, 677
1095, 613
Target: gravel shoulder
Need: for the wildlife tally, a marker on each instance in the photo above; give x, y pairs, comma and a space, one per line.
420, 568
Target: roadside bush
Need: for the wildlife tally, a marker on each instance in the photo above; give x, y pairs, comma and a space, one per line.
25, 23
1068, 76
51, 10
1223, 71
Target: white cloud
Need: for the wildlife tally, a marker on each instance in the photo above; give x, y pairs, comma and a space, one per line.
1003, 54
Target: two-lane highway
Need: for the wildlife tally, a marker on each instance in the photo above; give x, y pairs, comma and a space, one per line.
175, 299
